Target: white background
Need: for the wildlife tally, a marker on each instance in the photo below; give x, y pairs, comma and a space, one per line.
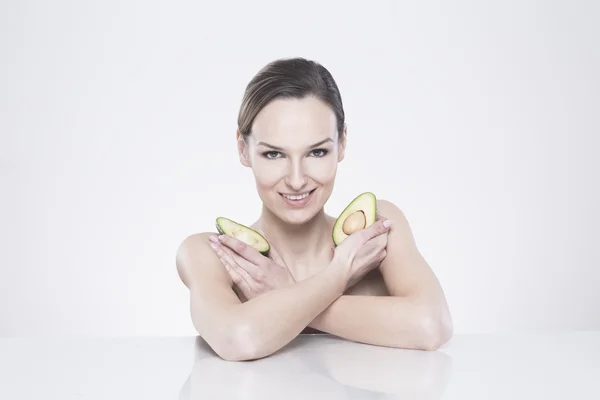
480, 121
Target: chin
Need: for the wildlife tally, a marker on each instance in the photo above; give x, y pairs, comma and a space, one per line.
295, 217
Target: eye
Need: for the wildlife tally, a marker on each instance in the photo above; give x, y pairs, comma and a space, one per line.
320, 152
271, 154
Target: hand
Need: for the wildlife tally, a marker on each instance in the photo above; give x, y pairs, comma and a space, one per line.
363, 250
252, 272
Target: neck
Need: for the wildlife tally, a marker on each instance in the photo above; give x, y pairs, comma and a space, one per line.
301, 243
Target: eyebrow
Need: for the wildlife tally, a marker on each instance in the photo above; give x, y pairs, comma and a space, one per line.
281, 149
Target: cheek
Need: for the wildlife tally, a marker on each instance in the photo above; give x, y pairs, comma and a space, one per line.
322, 170
267, 173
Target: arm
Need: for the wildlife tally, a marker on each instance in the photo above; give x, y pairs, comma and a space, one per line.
260, 326
379, 320
415, 315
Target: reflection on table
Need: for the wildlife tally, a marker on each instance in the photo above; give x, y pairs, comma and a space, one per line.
324, 366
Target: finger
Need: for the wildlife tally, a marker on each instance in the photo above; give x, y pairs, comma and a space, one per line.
229, 262
379, 217
255, 272
235, 276
276, 257
253, 269
243, 249
378, 228
273, 254
379, 241
227, 256
382, 255
377, 245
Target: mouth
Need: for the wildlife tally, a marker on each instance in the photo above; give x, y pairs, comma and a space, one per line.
298, 200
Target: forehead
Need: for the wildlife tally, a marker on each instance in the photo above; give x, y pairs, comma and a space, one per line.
294, 122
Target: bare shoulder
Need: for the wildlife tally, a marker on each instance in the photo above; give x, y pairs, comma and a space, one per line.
191, 247
211, 294
404, 268
374, 283
197, 264
388, 209
401, 233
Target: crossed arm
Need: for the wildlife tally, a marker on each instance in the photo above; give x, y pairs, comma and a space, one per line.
414, 315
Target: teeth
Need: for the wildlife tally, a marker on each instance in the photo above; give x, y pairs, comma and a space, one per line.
305, 195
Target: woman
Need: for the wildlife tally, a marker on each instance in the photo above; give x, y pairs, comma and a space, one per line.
375, 287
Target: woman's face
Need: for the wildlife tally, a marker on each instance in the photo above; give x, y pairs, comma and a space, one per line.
293, 149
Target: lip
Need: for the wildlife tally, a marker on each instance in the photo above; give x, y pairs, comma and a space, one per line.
297, 194
298, 203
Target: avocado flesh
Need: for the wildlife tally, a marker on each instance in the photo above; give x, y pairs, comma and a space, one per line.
252, 238
359, 214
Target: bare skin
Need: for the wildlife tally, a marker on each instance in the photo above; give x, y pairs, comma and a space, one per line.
374, 288
371, 284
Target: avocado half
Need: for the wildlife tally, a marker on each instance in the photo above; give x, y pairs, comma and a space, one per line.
252, 238
359, 214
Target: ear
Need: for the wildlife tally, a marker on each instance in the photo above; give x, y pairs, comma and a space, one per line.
342, 144
242, 149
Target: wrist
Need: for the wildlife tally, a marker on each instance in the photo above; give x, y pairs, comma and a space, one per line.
338, 272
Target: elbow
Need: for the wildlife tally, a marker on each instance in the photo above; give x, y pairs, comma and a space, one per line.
436, 331
239, 346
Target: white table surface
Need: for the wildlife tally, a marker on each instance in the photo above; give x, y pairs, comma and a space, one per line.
503, 366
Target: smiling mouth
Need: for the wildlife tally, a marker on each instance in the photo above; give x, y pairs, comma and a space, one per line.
298, 197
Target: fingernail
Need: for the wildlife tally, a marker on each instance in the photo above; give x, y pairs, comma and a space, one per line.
221, 237
214, 239
387, 223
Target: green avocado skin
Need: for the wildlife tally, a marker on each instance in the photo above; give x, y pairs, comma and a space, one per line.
222, 232
338, 223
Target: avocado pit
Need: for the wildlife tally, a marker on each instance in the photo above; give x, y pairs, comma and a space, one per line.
359, 214
355, 222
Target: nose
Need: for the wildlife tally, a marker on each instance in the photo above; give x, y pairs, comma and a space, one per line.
296, 179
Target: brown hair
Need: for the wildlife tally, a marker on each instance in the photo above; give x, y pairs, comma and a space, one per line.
289, 78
